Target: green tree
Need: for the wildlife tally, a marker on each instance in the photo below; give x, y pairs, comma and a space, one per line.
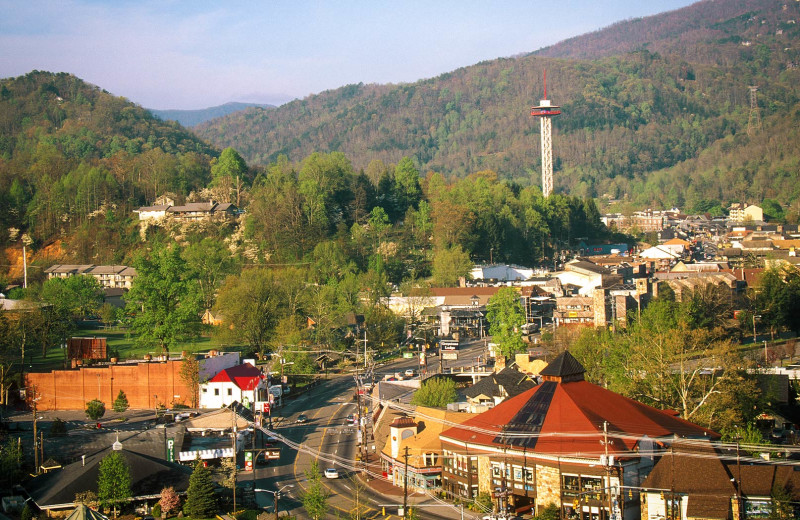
10, 462
114, 481
75, 296
164, 301
120, 404
436, 393
210, 262
315, 497
250, 304
449, 265
783, 506
228, 174
506, 318
406, 178
201, 502
108, 314
550, 512
190, 376
95, 409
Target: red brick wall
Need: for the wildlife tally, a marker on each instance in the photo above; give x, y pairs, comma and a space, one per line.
142, 382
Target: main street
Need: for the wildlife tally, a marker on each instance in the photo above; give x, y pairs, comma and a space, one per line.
327, 438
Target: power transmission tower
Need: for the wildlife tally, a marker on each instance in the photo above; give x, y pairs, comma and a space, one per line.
754, 121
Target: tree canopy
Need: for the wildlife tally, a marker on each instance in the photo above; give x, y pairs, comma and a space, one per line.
164, 301
506, 317
114, 481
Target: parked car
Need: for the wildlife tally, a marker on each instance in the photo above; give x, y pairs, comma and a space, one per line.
410, 372
302, 418
331, 473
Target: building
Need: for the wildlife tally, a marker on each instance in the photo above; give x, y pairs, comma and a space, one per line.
189, 212
242, 383
496, 388
565, 442
501, 273
699, 480
144, 456
108, 276
417, 439
147, 384
739, 212
587, 276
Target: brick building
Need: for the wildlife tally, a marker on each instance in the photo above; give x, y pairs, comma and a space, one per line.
146, 384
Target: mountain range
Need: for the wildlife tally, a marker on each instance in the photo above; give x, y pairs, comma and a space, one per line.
655, 111
190, 118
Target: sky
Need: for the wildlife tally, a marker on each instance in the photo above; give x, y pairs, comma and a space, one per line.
170, 54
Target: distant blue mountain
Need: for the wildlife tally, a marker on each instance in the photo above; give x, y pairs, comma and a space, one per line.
189, 118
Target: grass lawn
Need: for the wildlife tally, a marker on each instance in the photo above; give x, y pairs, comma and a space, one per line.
120, 345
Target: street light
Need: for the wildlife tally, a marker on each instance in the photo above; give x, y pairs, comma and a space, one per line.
754, 328
276, 495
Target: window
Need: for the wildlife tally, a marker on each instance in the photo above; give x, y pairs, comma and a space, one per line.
205, 390
216, 391
230, 391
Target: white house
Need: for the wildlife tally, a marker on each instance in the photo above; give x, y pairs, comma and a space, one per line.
243, 383
156, 212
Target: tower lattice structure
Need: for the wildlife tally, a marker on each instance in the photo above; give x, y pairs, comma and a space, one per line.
545, 111
754, 121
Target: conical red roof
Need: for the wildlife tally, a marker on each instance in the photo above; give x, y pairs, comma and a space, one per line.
566, 417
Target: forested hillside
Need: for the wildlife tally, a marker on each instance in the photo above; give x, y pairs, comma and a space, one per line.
680, 109
75, 161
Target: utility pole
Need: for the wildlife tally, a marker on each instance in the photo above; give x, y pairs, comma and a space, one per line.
608, 467
35, 433
233, 441
365, 350
405, 483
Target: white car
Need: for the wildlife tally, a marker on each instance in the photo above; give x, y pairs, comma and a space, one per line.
331, 473
409, 372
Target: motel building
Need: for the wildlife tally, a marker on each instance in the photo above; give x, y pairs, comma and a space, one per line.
565, 442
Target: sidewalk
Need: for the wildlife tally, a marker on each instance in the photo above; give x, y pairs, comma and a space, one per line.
394, 495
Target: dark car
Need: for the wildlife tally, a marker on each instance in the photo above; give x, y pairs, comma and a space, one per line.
302, 418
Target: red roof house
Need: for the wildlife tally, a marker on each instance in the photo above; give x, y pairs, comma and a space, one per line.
562, 438
239, 383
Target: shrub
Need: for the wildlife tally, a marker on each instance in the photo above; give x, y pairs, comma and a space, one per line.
121, 402
95, 409
169, 501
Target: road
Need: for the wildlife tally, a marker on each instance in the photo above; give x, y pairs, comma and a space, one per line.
327, 438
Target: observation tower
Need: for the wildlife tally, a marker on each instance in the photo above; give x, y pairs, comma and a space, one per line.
545, 111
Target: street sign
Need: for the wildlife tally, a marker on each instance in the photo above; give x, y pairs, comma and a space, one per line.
266, 407
248, 461
449, 355
171, 450
408, 355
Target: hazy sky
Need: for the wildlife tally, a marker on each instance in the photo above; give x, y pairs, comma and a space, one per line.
195, 54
